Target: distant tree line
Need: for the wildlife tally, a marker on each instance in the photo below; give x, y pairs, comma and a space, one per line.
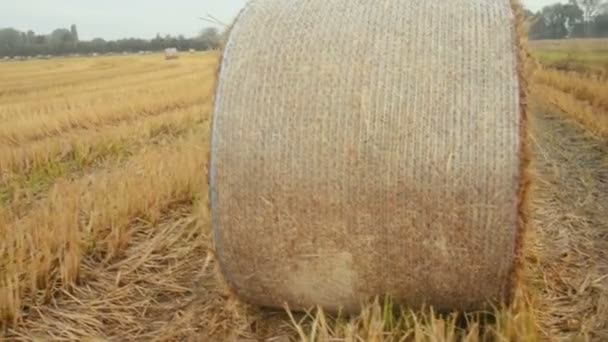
575, 19
65, 41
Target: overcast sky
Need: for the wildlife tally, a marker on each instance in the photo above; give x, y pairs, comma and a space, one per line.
112, 19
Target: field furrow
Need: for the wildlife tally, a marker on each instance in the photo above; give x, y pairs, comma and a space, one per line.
129, 83
41, 105
126, 82
91, 217
590, 117
57, 75
47, 69
20, 86
590, 89
39, 166
103, 110
28, 157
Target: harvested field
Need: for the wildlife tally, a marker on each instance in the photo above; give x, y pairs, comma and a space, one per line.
580, 55
106, 235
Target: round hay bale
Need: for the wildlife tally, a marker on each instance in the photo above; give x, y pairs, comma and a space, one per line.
364, 148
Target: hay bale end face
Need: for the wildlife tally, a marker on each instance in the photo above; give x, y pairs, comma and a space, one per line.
171, 53
363, 148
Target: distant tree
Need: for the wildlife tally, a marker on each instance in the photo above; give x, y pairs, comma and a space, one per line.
577, 18
74, 33
63, 41
590, 9
600, 21
113, 47
210, 38
98, 45
538, 28
10, 41
555, 21
170, 42
574, 18
31, 37
601, 25
40, 39
60, 41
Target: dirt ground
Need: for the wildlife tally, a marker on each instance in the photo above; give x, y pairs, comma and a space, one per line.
570, 197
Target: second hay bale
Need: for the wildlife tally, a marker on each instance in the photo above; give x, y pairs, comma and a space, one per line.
366, 148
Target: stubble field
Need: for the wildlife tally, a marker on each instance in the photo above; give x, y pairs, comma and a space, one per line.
105, 227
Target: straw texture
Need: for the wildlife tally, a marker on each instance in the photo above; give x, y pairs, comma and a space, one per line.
364, 148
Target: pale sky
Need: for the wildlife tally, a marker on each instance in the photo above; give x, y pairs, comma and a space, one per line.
113, 19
